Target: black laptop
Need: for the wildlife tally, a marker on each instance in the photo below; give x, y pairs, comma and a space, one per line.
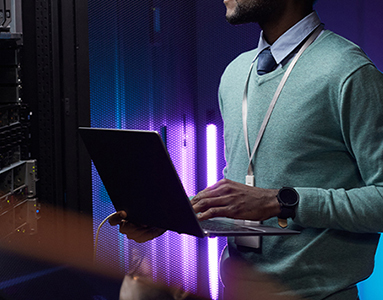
140, 178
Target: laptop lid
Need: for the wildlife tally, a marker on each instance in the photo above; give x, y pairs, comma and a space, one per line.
140, 179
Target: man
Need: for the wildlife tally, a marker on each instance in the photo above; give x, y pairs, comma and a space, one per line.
323, 141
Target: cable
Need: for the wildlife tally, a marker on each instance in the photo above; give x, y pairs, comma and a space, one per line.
97, 233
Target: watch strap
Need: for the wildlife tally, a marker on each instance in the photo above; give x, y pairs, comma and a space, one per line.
282, 222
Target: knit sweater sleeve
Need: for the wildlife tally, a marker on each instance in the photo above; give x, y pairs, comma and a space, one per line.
359, 209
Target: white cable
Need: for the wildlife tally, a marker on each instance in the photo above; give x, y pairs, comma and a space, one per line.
97, 233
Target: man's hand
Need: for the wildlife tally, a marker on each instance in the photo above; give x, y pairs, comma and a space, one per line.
138, 233
235, 200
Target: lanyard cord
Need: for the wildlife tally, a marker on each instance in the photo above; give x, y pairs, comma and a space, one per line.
250, 170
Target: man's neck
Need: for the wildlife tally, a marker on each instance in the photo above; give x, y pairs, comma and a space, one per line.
274, 27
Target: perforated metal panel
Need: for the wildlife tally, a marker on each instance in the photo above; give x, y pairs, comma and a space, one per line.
144, 71
138, 81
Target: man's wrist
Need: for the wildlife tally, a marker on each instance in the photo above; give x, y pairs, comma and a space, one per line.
274, 206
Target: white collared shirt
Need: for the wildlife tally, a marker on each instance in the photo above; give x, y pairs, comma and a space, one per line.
286, 46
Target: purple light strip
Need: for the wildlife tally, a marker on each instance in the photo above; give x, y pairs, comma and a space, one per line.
211, 144
211, 156
213, 268
120, 91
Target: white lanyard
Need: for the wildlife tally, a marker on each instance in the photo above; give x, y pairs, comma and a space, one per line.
250, 170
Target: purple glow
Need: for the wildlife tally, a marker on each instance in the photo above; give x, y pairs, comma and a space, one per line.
187, 175
186, 169
211, 144
211, 154
154, 260
181, 147
189, 263
213, 268
171, 259
120, 91
167, 257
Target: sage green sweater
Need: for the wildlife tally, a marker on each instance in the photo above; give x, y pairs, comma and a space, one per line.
325, 138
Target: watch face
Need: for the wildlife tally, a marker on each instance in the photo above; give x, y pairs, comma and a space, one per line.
288, 196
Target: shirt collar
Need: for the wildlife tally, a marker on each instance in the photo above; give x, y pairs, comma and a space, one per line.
291, 39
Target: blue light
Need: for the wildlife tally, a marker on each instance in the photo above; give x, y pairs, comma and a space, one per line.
371, 289
156, 17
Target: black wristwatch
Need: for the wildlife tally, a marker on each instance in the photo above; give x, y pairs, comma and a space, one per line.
288, 198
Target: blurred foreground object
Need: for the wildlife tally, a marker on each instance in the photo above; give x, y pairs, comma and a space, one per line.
137, 288
243, 282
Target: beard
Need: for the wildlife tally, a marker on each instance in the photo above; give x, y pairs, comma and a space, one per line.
255, 11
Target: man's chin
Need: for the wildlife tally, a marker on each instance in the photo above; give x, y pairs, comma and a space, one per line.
236, 17
233, 20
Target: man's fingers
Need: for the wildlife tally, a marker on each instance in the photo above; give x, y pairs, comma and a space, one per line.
130, 228
117, 218
214, 195
140, 234
209, 192
204, 204
212, 213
